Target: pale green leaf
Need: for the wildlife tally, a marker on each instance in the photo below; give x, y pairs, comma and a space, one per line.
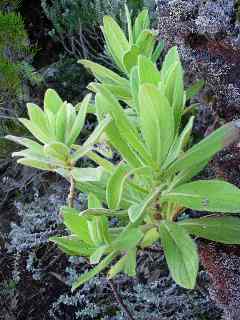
215, 228
89, 275
148, 72
181, 254
206, 195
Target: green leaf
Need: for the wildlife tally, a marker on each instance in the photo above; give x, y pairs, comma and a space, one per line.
61, 118
194, 89
35, 130
205, 149
147, 70
103, 212
146, 42
57, 150
137, 211
206, 195
158, 51
98, 230
181, 254
126, 129
89, 275
150, 237
79, 121
128, 239
93, 201
130, 59
72, 245
117, 267
142, 22
115, 186
38, 164
121, 92
38, 118
78, 225
116, 41
52, 101
217, 228
157, 122
86, 174
104, 74
28, 143
129, 23
131, 263
70, 119
181, 142
97, 254
114, 136
134, 84
92, 139
171, 58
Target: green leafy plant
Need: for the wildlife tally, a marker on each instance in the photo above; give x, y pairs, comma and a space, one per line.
150, 188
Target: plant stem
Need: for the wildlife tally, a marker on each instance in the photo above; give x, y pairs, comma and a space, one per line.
120, 300
71, 194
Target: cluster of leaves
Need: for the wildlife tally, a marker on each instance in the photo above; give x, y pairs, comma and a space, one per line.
140, 112
76, 22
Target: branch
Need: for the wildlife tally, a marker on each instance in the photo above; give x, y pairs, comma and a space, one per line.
120, 300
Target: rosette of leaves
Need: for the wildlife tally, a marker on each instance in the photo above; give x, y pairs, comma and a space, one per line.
56, 129
151, 186
129, 53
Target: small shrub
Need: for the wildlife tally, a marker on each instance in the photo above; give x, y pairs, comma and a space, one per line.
150, 188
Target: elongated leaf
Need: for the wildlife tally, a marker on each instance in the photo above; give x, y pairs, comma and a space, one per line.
137, 211
117, 267
38, 164
86, 174
128, 239
38, 118
217, 228
115, 186
35, 131
57, 150
206, 195
28, 143
146, 42
78, 225
114, 136
181, 143
171, 58
181, 254
104, 212
61, 122
97, 254
92, 139
127, 130
89, 275
134, 84
116, 40
93, 201
131, 263
52, 101
142, 22
148, 72
130, 59
104, 74
72, 245
158, 51
205, 149
79, 121
129, 23
157, 122
121, 92
150, 237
